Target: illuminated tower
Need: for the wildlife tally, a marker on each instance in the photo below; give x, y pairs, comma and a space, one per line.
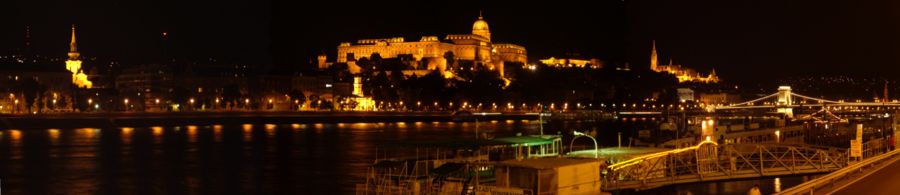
885, 99
481, 28
73, 64
712, 78
322, 61
73, 47
784, 101
357, 87
653, 59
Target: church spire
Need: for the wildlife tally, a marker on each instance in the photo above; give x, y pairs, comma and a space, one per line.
73, 46
653, 57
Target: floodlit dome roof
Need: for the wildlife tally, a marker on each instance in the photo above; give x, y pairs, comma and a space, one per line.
480, 24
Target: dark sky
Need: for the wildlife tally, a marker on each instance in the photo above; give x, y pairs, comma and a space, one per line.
755, 39
288, 33
591, 28
745, 40
130, 30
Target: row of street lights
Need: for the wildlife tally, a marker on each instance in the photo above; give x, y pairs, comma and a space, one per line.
565, 106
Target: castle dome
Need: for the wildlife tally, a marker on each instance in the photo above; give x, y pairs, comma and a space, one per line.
481, 28
480, 24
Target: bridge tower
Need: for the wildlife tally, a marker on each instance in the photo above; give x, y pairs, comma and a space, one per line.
785, 102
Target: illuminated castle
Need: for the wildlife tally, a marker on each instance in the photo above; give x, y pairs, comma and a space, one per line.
73, 64
683, 74
476, 47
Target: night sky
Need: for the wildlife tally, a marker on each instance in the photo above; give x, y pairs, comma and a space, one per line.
591, 29
743, 40
131, 31
749, 40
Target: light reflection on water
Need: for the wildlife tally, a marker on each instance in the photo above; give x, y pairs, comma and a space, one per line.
126, 134
314, 158
157, 131
54, 136
739, 187
217, 132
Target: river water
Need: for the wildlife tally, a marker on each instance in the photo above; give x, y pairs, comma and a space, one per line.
248, 158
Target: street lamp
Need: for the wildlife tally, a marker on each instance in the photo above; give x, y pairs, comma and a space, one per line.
580, 134
777, 136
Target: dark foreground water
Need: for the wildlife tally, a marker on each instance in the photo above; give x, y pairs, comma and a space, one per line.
766, 186
242, 159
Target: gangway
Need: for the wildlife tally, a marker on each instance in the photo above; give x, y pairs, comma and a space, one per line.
709, 161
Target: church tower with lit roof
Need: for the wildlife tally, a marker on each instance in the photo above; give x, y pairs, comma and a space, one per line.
73, 64
653, 58
73, 47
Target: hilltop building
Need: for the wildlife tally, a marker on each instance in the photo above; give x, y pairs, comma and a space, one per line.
683, 74
434, 53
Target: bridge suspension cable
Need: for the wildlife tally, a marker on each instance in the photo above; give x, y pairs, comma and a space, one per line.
753, 101
812, 98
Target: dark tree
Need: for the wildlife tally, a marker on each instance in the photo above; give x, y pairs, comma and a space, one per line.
451, 60
326, 105
376, 58
180, 95
314, 101
32, 91
231, 94
297, 96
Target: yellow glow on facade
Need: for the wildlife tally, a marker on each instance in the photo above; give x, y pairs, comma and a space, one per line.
431, 50
569, 63
363, 103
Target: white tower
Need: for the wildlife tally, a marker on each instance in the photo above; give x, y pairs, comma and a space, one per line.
785, 102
